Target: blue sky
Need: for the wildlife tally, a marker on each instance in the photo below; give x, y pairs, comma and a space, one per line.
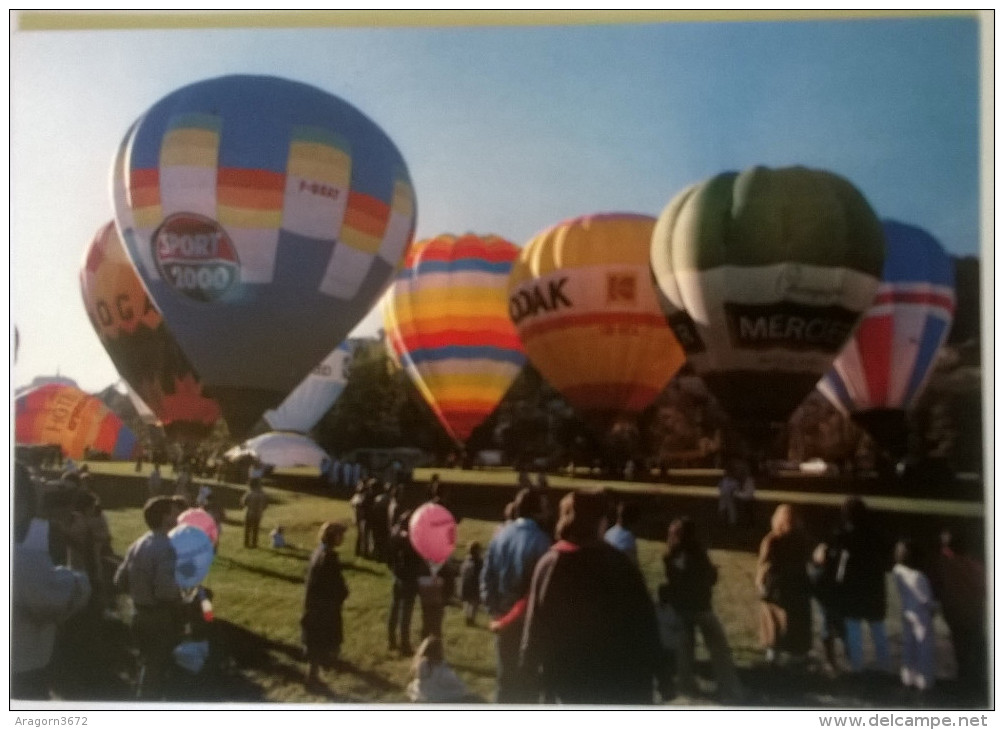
509, 130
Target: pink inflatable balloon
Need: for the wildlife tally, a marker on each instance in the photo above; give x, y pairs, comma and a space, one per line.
201, 519
433, 532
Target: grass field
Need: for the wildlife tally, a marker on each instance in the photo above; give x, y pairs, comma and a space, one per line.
259, 594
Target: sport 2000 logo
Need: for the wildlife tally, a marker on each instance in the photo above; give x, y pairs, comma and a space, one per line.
195, 256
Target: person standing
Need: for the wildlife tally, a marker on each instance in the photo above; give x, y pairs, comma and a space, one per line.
745, 496
147, 575
43, 594
154, 482
728, 485
505, 581
590, 632
861, 583
254, 502
621, 534
406, 566
690, 580
470, 574
960, 585
326, 591
916, 600
782, 582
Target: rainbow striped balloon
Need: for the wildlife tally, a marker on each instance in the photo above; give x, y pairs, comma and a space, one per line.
446, 323
584, 305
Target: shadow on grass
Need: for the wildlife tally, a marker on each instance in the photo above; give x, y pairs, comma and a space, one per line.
231, 563
480, 671
356, 567
372, 679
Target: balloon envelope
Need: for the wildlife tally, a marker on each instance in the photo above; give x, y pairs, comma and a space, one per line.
76, 421
281, 449
433, 532
138, 342
265, 217
446, 319
311, 399
763, 275
881, 372
195, 555
583, 303
201, 519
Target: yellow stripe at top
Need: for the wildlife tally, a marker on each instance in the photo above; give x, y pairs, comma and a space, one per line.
446, 310
49, 20
190, 148
319, 162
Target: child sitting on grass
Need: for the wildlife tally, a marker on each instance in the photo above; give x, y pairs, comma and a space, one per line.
434, 680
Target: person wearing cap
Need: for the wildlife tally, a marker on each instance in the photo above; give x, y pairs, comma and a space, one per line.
147, 575
590, 634
326, 591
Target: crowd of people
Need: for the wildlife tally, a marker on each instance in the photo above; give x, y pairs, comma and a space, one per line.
571, 616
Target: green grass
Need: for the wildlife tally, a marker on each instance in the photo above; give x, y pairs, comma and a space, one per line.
259, 594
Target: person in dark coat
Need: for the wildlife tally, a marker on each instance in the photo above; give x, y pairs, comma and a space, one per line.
406, 566
865, 558
960, 585
690, 579
590, 633
326, 591
782, 582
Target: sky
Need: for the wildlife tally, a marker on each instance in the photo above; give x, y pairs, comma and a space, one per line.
508, 130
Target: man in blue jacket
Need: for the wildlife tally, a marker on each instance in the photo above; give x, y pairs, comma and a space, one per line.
505, 583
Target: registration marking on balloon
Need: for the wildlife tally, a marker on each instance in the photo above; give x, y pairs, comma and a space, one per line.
196, 256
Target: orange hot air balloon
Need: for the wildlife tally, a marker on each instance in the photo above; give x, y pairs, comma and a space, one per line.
67, 416
585, 308
136, 338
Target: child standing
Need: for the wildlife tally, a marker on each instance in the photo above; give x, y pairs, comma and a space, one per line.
917, 603
434, 680
470, 575
278, 537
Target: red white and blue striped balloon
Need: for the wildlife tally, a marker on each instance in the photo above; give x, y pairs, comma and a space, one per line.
881, 372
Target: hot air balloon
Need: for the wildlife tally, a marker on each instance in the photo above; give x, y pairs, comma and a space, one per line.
265, 217
447, 321
76, 421
138, 342
881, 372
763, 276
582, 300
311, 399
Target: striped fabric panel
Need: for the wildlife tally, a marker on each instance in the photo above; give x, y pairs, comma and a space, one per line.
400, 228
191, 140
320, 154
144, 197
449, 331
365, 222
435, 354
250, 198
